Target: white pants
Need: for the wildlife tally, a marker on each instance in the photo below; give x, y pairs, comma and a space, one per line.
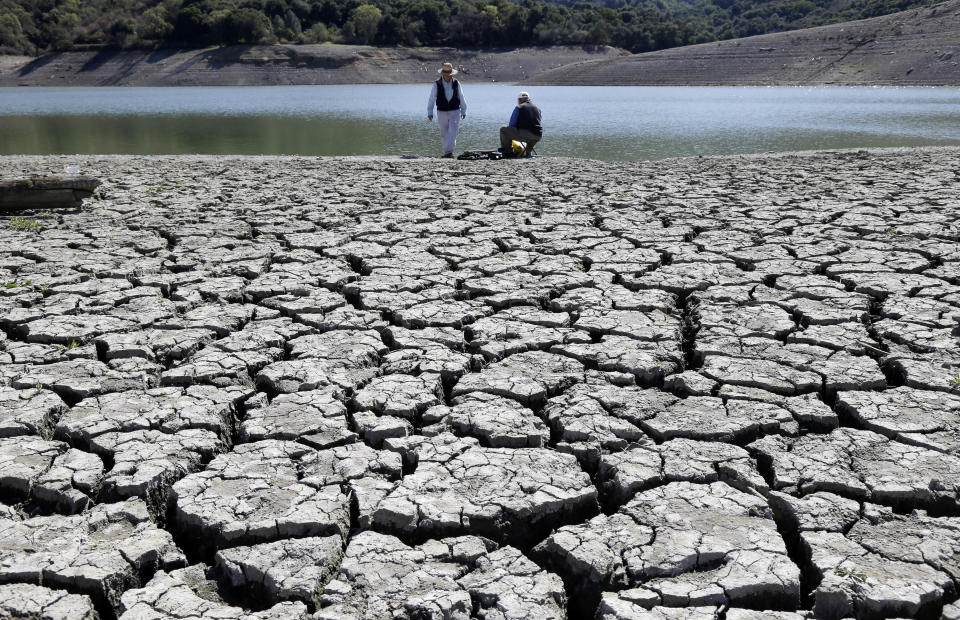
449, 127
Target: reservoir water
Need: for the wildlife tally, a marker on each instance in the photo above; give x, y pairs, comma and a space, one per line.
599, 122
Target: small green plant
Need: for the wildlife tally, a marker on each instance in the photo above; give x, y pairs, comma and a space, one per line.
22, 223
891, 231
46, 290
66, 347
155, 190
955, 382
14, 283
846, 572
39, 387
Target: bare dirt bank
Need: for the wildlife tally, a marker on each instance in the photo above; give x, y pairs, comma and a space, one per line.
920, 47
269, 65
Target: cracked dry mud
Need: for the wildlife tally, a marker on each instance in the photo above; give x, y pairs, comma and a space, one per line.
271, 388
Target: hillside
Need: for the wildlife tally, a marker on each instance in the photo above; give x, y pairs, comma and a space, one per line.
730, 19
267, 65
39, 27
916, 47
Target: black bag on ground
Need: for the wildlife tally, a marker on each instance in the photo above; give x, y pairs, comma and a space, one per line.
491, 154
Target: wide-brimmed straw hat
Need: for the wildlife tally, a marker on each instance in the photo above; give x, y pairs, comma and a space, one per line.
447, 69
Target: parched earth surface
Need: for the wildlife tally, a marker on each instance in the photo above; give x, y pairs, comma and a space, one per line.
377, 388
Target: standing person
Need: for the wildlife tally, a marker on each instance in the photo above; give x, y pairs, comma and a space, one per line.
524, 125
447, 95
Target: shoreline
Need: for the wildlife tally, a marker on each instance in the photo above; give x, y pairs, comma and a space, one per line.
772, 155
274, 65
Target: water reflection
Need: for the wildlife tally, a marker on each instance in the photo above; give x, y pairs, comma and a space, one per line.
609, 123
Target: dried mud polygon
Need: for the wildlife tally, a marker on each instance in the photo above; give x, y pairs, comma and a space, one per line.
353, 388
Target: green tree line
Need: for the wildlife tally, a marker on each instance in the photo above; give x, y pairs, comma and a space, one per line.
35, 27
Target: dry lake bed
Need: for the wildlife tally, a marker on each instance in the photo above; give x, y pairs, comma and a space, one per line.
281, 387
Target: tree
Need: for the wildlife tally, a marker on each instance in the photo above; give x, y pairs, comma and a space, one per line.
599, 34
300, 8
123, 32
275, 7
515, 24
219, 25
156, 24
11, 33
413, 33
433, 17
61, 29
490, 24
247, 26
799, 9
327, 12
191, 24
317, 33
366, 19
292, 22
390, 31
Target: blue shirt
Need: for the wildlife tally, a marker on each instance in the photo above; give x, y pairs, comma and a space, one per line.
514, 116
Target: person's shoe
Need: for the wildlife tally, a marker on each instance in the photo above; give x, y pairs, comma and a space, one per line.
448, 155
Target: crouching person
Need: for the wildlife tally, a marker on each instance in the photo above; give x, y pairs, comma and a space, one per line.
524, 126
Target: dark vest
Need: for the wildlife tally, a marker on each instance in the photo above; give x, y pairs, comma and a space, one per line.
529, 118
442, 104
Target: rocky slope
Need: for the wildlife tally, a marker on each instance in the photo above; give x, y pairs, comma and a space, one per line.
286, 64
690, 389
916, 47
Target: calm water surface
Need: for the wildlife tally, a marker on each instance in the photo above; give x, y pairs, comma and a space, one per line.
608, 123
